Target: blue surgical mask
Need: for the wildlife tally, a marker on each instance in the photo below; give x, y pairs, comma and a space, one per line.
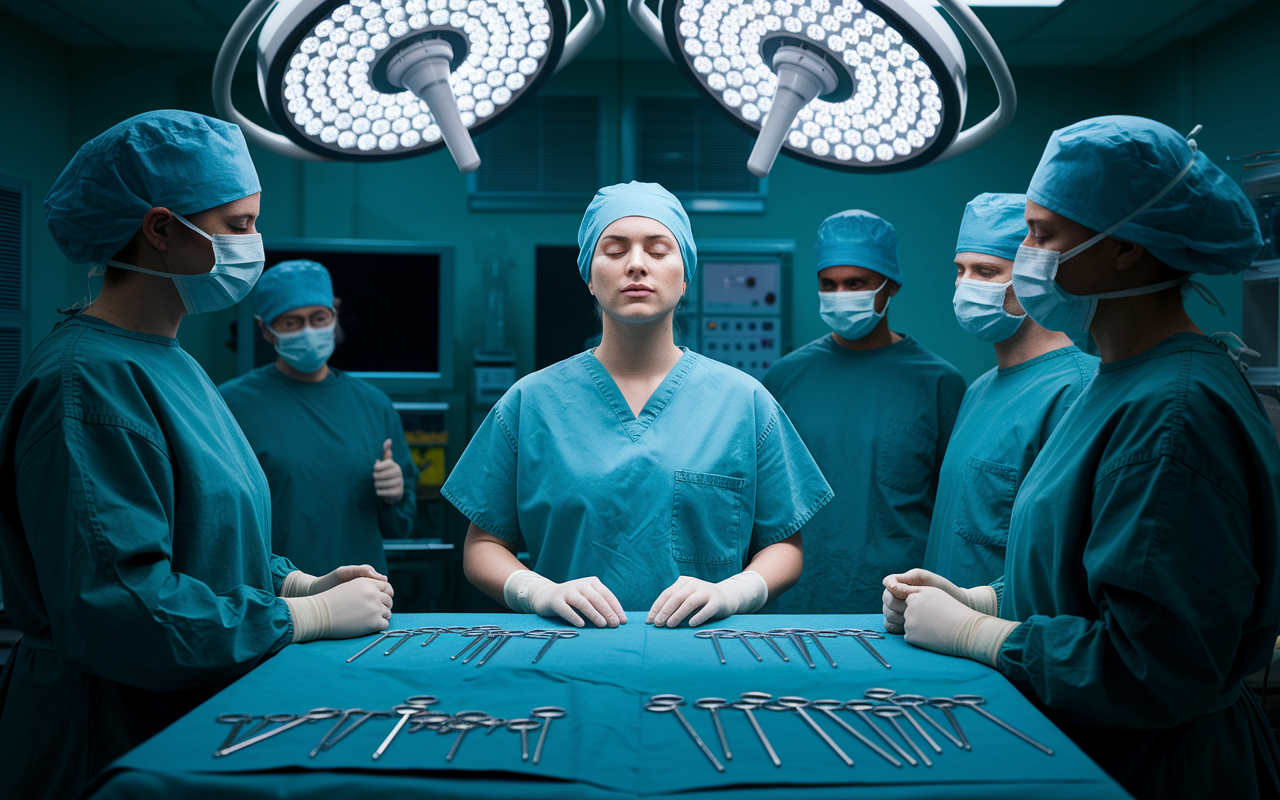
852, 314
1035, 273
237, 263
306, 350
980, 310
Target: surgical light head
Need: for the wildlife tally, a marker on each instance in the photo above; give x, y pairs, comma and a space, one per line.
385, 79
856, 85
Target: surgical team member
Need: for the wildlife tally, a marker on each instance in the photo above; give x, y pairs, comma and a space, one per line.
641, 475
876, 409
1142, 578
332, 446
1009, 412
134, 520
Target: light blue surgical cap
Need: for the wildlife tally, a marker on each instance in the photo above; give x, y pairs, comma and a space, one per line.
292, 284
178, 160
994, 224
859, 239
635, 199
1098, 171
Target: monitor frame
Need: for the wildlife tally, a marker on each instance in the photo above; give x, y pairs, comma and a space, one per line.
393, 383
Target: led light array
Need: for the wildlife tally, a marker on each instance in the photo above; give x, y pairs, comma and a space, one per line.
327, 89
895, 108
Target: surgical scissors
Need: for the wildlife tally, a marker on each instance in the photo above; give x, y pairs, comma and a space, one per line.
311, 716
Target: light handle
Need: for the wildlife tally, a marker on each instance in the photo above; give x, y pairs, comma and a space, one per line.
223, 71
986, 46
423, 68
649, 25
582, 33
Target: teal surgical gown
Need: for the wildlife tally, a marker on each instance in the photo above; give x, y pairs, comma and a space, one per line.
135, 550
1144, 566
317, 443
877, 423
710, 472
1004, 421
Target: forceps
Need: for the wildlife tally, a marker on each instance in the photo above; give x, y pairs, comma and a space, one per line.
383, 637
742, 637
975, 702
311, 716
768, 638
798, 704
418, 704
551, 636
435, 632
523, 726
862, 635
829, 707
714, 636
329, 739
665, 703
797, 638
748, 706
890, 696
237, 722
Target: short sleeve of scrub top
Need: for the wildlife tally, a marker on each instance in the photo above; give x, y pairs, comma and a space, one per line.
710, 472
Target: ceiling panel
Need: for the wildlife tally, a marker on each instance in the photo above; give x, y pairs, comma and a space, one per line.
1079, 32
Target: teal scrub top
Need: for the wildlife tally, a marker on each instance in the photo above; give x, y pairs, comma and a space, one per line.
1004, 421
1144, 566
877, 423
135, 549
709, 473
317, 443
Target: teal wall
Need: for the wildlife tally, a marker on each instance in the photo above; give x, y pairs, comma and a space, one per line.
1212, 80
34, 148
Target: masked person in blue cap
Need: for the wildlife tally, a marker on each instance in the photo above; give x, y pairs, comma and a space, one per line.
135, 539
1142, 579
332, 446
640, 474
881, 450
1009, 412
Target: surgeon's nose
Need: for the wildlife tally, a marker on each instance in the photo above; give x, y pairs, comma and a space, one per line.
635, 263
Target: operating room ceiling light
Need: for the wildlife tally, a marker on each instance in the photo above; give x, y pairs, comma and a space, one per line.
375, 80
856, 85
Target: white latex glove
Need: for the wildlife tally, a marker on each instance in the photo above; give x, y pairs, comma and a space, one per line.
300, 584
979, 598
740, 594
388, 480
355, 608
531, 593
937, 621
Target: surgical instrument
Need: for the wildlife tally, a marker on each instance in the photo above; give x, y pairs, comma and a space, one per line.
829, 707
862, 635
798, 704
975, 702
523, 726
384, 636
546, 714
713, 635
861, 707
713, 706
413, 705
664, 703
311, 716
890, 696
891, 712
946, 705
747, 707
917, 702
551, 636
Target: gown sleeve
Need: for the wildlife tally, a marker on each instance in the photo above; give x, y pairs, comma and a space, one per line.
483, 483
280, 568
96, 499
1169, 566
396, 521
790, 488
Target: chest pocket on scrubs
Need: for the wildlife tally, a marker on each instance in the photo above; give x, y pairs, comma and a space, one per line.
706, 519
905, 457
986, 501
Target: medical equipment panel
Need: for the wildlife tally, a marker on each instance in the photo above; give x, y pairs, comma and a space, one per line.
1260, 302
395, 311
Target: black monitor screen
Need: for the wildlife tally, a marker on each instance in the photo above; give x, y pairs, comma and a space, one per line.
388, 310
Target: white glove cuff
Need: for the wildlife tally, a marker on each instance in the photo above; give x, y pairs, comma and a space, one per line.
297, 584
311, 617
987, 638
519, 586
749, 589
983, 599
